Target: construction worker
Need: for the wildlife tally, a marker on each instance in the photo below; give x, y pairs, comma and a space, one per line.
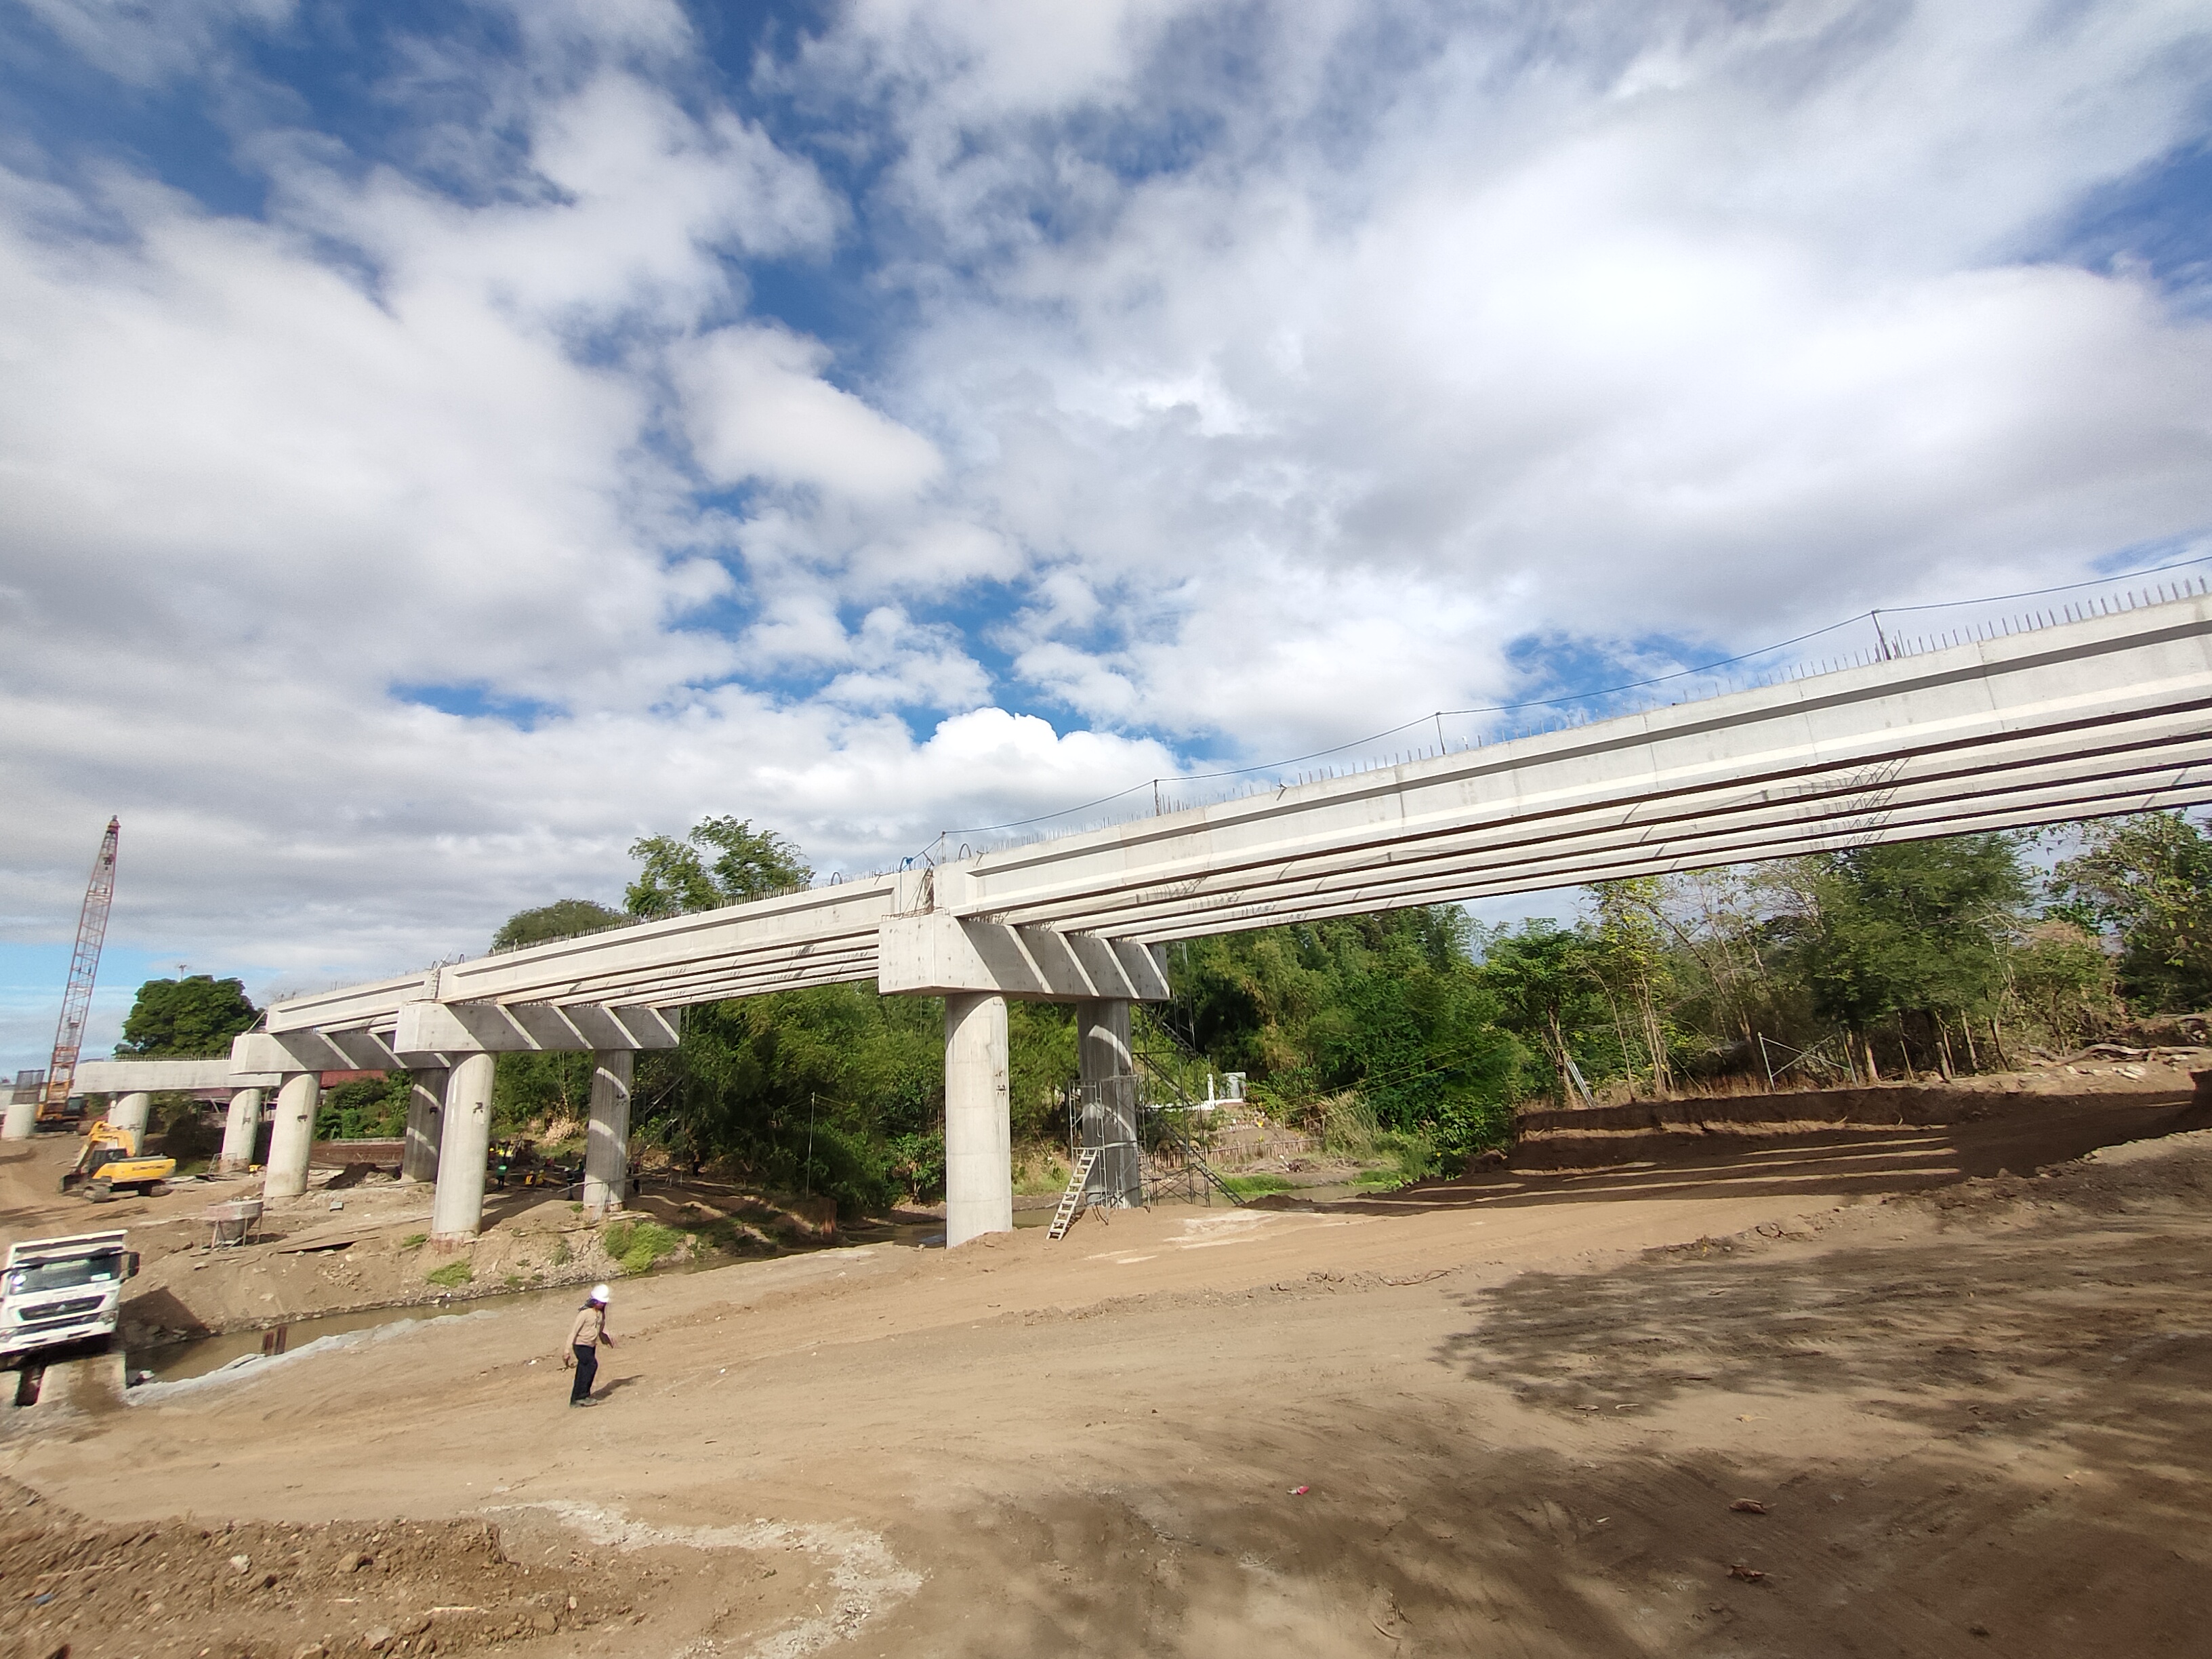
584, 1338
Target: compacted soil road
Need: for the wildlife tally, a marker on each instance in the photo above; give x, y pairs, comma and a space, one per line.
1842, 1397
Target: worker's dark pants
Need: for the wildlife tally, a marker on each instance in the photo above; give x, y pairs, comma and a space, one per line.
587, 1365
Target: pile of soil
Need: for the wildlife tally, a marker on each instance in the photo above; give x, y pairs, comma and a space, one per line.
67, 1584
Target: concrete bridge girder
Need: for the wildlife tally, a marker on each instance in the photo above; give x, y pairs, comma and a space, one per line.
2106, 714
1572, 857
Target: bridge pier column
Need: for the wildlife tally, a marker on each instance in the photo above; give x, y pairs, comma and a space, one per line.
979, 1165
292, 1135
22, 1120
240, 1122
1107, 1074
457, 1207
606, 1138
426, 1103
131, 1111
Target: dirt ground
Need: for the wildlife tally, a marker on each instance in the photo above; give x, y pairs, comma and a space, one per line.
355, 1244
1847, 1394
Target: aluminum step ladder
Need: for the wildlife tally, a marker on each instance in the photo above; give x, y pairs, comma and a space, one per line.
1072, 1200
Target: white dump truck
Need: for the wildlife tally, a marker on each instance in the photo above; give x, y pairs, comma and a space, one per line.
61, 1290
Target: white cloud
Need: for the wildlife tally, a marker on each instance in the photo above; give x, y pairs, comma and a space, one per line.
1676, 325
757, 407
145, 42
1255, 377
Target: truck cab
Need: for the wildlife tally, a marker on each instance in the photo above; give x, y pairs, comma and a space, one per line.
57, 1290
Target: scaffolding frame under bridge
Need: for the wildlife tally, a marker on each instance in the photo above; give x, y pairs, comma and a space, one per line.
1142, 1126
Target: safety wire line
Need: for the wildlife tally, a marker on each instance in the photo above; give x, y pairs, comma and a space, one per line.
1874, 615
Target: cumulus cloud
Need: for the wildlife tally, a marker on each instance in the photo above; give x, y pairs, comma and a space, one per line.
933, 416
757, 407
1671, 324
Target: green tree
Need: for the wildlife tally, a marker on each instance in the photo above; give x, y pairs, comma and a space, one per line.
2148, 878
677, 877
1390, 1006
833, 1089
1914, 928
188, 1018
2063, 979
1547, 982
1629, 958
536, 1090
364, 1108
562, 919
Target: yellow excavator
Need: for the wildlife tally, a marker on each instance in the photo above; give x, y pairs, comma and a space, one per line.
112, 1158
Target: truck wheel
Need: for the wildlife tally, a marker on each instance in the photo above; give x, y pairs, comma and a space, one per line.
100, 1191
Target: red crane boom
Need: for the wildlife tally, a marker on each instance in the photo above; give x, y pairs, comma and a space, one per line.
84, 965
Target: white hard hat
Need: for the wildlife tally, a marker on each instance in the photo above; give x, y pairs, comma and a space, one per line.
598, 1293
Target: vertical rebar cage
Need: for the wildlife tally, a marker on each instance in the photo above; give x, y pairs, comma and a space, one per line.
1104, 1115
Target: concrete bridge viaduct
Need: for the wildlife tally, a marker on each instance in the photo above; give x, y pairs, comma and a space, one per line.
2092, 716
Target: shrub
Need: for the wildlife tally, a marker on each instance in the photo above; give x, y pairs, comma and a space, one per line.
1256, 1186
636, 1245
1411, 1158
1414, 1155
917, 1166
414, 1241
452, 1276
1345, 1124
366, 1108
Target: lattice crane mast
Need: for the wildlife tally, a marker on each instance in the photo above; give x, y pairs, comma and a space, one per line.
84, 966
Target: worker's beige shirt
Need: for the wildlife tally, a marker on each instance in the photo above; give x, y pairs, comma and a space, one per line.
591, 1324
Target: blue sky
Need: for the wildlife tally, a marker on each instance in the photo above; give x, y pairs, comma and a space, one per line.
439, 445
